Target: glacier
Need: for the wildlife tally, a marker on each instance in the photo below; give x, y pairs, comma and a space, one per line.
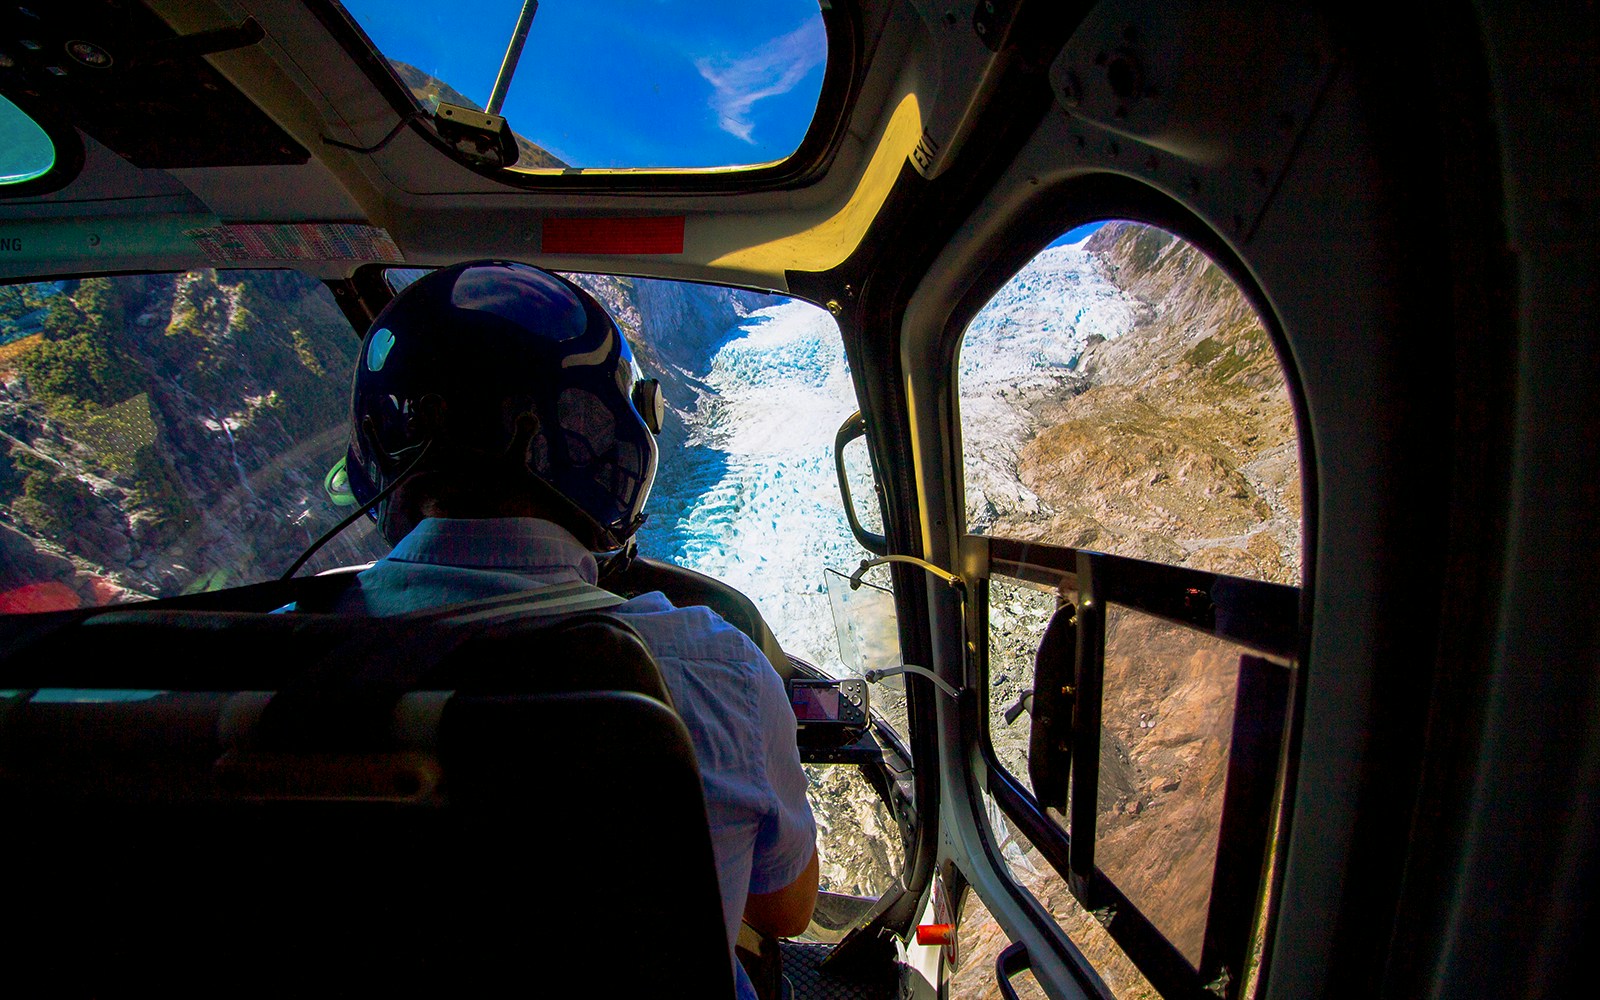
752, 497
758, 502
1020, 351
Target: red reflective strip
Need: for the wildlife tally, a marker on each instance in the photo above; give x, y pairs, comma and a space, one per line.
928, 934
655, 234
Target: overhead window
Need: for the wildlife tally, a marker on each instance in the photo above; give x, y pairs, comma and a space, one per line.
616, 84
26, 152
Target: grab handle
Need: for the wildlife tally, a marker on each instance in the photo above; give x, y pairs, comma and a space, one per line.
854, 427
1010, 962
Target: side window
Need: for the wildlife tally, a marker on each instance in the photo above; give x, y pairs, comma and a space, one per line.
26, 152
1130, 456
1120, 394
166, 434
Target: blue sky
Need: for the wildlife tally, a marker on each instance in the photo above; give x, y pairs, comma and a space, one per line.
1075, 234
627, 83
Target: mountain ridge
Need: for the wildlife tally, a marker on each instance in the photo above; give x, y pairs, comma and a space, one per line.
430, 91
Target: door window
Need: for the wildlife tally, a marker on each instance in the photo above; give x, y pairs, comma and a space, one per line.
1131, 463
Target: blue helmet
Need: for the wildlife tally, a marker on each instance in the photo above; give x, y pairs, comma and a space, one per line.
462, 358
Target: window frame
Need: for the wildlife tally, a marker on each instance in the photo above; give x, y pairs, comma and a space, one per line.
1261, 617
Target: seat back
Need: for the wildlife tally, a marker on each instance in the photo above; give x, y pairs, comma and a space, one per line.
240, 803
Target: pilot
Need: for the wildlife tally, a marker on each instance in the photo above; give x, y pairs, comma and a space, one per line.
503, 405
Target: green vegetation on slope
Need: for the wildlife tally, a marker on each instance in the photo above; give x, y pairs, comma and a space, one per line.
159, 426
78, 361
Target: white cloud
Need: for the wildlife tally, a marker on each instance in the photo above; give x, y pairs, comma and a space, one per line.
775, 68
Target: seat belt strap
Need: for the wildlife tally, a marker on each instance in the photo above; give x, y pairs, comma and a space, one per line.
556, 599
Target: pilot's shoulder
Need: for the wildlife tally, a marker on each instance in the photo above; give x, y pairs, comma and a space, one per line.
693, 631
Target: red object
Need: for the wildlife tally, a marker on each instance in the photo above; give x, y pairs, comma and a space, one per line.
654, 234
931, 934
32, 598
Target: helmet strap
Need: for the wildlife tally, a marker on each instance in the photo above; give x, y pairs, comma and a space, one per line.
381, 502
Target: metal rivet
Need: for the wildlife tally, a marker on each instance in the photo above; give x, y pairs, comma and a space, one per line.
834, 307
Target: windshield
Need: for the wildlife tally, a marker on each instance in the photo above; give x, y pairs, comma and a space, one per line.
618, 84
171, 433
167, 434
745, 492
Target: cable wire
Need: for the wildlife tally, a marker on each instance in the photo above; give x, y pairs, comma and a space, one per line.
875, 676
383, 495
402, 123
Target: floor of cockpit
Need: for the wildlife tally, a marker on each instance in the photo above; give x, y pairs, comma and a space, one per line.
802, 966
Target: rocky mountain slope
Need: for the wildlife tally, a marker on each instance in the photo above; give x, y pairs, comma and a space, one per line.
169, 433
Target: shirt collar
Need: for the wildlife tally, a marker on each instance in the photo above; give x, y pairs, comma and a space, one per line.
521, 544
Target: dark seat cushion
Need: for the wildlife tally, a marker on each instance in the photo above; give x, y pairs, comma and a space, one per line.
201, 838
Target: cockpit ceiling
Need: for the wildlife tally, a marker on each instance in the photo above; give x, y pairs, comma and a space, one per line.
126, 79
224, 118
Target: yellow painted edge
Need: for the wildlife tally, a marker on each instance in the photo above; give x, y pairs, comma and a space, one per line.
828, 242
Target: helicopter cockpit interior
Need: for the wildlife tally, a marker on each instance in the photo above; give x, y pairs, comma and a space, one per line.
1155, 443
